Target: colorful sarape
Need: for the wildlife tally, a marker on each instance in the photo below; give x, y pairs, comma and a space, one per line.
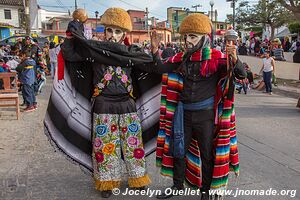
225, 142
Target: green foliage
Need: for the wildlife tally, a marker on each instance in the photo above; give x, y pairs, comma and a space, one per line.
265, 12
294, 27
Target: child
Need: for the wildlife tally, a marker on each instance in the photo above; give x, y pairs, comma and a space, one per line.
27, 77
242, 84
3, 66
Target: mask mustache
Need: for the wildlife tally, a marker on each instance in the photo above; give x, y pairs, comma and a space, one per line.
112, 39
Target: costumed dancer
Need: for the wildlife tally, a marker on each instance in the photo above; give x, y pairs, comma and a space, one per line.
203, 125
116, 126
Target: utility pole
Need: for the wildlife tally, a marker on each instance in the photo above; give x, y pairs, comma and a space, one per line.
147, 22
27, 17
233, 14
232, 4
75, 4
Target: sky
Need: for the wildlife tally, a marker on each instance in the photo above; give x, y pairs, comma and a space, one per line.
157, 8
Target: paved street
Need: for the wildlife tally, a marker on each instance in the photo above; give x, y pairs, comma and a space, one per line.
268, 132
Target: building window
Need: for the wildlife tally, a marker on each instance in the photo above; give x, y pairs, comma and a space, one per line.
7, 14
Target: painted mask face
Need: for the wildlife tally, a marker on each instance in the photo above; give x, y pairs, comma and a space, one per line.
114, 34
192, 39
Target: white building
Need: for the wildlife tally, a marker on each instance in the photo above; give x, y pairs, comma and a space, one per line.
11, 17
41, 22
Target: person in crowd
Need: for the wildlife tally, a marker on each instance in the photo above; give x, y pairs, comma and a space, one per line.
257, 47
218, 46
168, 52
243, 49
287, 44
26, 74
268, 69
278, 53
293, 47
3, 66
3, 53
296, 56
53, 52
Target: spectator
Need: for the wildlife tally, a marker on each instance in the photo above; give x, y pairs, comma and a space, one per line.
35, 51
243, 49
278, 53
242, 84
257, 47
46, 57
296, 56
287, 45
268, 68
2, 51
61, 41
293, 47
19, 44
249, 73
27, 77
12, 63
3, 67
168, 52
53, 58
218, 47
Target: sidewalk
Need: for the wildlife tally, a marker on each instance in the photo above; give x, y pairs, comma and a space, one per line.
284, 69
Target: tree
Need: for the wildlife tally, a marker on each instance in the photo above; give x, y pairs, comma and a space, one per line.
263, 13
295, 28
293, 6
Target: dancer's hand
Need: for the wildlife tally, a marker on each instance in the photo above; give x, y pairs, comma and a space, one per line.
154, 41
231, 50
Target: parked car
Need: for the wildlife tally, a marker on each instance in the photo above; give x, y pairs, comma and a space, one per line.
13, 40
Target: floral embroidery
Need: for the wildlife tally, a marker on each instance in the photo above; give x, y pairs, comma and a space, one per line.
101, 130
133, 128
138, 153
100, 85
99, 157
108, 76
97, 143
129, 88
132, 141
124, 129
134, 117
124, 78
113, 128
119, 70
109, 148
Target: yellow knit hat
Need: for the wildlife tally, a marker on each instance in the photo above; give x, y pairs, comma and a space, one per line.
195, 23
117, 17
80, 14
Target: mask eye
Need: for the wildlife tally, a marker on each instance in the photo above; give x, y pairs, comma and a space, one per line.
118, 31
192, 36
109, 30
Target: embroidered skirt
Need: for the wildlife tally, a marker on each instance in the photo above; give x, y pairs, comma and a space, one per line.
117, 131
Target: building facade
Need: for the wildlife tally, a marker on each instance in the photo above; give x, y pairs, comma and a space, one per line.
11, 17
